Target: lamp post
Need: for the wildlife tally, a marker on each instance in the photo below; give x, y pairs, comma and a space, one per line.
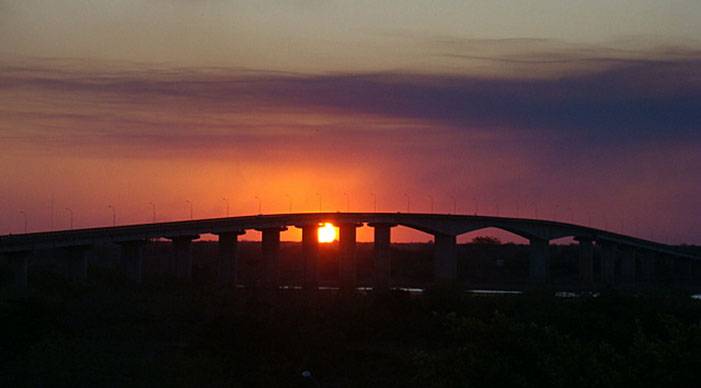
153, 212
623, 221
226, 201
430, 198
24, 215
114, 215
51, 212
70, 212
289, 203
260, 204
189, 204
535, 210
477, 205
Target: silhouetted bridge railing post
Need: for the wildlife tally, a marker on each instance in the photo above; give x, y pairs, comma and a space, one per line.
623, 261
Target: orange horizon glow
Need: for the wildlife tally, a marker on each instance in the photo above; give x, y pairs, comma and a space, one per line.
327, 233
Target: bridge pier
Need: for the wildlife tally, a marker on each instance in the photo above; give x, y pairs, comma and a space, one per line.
684, 271
227, 258
270, 247
445, 263
383, 249
663, 271
608, 263
132, 258
539, 260
586, 261
181, 264
74, 262
310, 253
347, 271
647, 269
19, 264
628, 270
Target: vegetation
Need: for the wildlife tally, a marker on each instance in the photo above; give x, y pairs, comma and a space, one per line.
486, 240
111, 333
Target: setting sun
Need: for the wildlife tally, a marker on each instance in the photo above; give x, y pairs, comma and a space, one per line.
327, 233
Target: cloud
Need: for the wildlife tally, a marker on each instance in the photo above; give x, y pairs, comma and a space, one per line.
627, 96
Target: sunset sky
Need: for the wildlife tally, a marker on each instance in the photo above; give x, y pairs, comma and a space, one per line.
584, 111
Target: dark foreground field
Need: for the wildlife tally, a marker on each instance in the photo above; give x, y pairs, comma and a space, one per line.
163, 334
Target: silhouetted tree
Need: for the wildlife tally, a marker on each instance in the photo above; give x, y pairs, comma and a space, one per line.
486, 240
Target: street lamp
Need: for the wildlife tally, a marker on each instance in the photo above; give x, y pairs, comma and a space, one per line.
114, 215
153, 212
260, 204
430, 198
190, 204
226, 200
535, 210
51, 212
289, 203
24, 214
70, 211
623, 220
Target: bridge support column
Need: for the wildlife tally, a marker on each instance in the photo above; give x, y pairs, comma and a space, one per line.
310, 253
347, 272
539, 260
445, 262
270, 247
586, 261
181, 266
628, 272
227, 260
19, 264
670, 269
132, 257
608, 263
685, 271
74, 262
647, 268
383, 249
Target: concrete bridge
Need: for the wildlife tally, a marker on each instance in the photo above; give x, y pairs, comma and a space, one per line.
624, 260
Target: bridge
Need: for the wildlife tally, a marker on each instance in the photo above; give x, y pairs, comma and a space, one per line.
624, 260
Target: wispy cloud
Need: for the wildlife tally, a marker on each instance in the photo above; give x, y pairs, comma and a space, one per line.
626, 96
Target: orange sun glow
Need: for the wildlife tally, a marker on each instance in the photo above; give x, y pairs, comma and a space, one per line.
327, 233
